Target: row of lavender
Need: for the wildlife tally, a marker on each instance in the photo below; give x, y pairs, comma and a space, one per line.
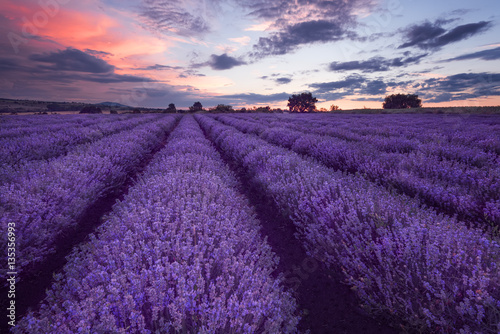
429, 271
27, 125
21, 155
181, 253
47, 201
454, 187
411, 129
49, 142
24, 122
416, 135
454, 130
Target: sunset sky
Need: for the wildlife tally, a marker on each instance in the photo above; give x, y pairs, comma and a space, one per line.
151, 53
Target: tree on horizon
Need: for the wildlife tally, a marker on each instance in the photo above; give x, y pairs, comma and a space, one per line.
197, 106
402, 101
171, 108
303, 102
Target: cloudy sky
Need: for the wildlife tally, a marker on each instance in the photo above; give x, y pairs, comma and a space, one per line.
150, 53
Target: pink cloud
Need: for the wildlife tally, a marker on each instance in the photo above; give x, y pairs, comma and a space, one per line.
91, 28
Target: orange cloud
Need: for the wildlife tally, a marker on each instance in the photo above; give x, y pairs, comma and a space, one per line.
87, 29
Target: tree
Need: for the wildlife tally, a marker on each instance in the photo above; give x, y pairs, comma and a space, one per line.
136, 111
402, 101
303, 102
334, 107
263, 109
222, 108
171, 108
196, 107
91, 110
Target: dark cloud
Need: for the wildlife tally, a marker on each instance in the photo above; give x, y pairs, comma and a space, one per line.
491, 54
297, 22
169, 16
297, 34
223, 62
303, 22
350, 83
314, 31
422, 34
288, 10
190, 73
72, 60
8, 64
97, 53
375, 64
110, 78
429, 36
374, 87
64, 66
465, 81
158, 67
462, 32
442, 97
72, 77
266, 9
461, 86
278, 78
351, 86
283, 80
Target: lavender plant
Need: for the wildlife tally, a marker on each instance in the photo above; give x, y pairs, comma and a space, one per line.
49, 142
181, 253
25, 126
450, 185
431, 272
50, 200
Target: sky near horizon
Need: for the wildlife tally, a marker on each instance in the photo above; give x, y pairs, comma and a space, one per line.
351, 53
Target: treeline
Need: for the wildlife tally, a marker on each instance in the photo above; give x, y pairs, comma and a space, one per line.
197, 107
297, 103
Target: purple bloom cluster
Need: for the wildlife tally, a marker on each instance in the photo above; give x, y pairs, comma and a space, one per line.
405, 261
48, 200
456, 175
181, 253
50, 141
26, 125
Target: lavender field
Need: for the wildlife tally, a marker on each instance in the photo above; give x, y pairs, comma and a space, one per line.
252, 223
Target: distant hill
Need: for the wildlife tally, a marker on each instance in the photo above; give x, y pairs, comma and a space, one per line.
112, 104
20, 106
